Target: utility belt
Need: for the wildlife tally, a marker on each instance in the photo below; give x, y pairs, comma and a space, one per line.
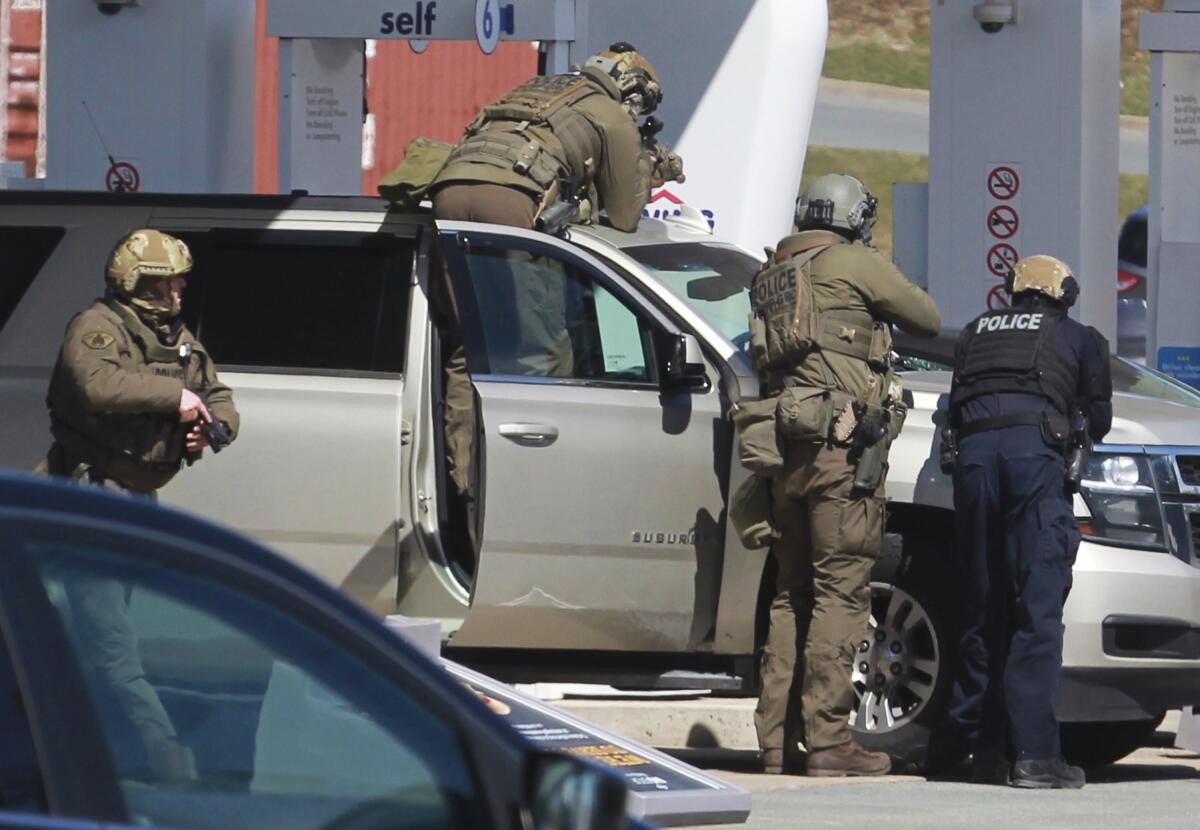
1070, 437
818, 415
84, 457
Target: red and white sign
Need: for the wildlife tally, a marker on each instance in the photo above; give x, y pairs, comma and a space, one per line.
1003, 182
1003, 222
1001, 258
997, 298
122, 177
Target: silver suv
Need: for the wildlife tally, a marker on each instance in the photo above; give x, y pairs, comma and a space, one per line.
601, 510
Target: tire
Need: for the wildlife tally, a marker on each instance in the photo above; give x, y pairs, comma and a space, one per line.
1097, 743
903, 674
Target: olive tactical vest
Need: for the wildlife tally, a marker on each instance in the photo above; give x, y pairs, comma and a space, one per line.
1015, 350
786, 326
535, 131
142, 449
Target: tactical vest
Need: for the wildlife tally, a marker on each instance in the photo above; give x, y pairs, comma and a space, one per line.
142, 450
786, 326
535, 130
1015, 350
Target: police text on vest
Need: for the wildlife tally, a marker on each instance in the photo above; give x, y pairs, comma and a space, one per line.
1005, 322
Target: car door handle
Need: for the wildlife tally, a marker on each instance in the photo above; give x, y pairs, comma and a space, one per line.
522, 433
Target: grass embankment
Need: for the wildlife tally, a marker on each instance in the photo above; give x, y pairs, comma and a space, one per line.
880, 170
887, 42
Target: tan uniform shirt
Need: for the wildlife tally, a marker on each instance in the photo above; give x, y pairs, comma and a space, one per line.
855, 277
114, 394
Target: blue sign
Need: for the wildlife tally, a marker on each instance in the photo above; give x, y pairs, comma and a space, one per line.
1181, 363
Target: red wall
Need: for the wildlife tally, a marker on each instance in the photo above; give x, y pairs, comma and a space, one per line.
22, 78
433, 94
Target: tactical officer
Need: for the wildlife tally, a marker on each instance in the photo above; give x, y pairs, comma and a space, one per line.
1021, 377
821, 340
132, 396
561, 139
556, 149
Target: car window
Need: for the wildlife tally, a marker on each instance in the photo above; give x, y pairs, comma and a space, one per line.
713, 279
23, 250
536, 315
1135, 379
21, 787
336, 303
219, 710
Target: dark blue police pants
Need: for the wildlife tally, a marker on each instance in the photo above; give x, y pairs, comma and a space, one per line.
1015, 529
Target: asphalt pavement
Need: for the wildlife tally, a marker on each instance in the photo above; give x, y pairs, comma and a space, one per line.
1156, 787
874, 117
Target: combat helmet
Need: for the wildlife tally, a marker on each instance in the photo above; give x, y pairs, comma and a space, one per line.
837, 200
634, 76
139, 260
1046, 275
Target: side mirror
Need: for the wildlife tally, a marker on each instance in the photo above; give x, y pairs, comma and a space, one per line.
681, 362
568, 793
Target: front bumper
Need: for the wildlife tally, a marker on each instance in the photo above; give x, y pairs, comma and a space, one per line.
1132, 642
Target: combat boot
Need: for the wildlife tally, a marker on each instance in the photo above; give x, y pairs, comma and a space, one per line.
1054, 774
848, 759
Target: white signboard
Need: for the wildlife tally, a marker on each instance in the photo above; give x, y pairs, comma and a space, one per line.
1180, 134
419, 19
321, 116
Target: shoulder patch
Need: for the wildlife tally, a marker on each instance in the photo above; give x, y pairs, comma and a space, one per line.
98, 340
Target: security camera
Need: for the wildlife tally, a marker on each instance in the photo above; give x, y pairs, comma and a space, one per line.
111, 7
994, 15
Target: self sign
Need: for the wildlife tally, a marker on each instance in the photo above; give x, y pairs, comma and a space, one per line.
417, 22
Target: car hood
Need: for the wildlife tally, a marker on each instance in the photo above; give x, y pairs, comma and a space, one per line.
1137, 419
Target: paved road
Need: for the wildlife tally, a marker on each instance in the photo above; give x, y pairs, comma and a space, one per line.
1156, 787
873, 117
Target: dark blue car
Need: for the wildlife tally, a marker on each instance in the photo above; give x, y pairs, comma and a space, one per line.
159, 671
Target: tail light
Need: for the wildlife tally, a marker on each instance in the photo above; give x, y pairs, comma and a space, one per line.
1127, 281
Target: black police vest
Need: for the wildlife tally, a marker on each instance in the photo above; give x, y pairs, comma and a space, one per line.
1015, 350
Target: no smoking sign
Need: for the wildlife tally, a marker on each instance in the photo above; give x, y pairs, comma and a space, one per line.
1001, 258
1003, 183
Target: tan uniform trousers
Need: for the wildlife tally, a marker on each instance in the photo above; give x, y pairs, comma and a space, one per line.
108, 643
497, 205
830, 540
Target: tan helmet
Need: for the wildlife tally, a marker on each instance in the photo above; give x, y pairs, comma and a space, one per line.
1046, 275
837, 200
151, 255
634, 76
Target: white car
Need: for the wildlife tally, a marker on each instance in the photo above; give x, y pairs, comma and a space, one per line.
603, 495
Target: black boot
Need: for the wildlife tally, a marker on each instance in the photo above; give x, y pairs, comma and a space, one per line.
1053, 774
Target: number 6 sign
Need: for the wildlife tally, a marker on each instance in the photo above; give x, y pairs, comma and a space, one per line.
487, 25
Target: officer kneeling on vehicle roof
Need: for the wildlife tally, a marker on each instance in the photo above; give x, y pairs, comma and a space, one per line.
821, 341
1030, 386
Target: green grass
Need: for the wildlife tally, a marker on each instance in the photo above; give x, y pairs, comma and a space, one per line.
880, 170
878, 62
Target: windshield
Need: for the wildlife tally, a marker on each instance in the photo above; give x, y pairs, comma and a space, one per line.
713, 279
1135, 379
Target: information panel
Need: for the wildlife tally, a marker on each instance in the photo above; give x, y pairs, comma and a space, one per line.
1180, 132
662, 788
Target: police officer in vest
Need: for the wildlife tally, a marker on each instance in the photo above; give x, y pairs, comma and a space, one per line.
823, 306
1025, 379
132, 396
554, 150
